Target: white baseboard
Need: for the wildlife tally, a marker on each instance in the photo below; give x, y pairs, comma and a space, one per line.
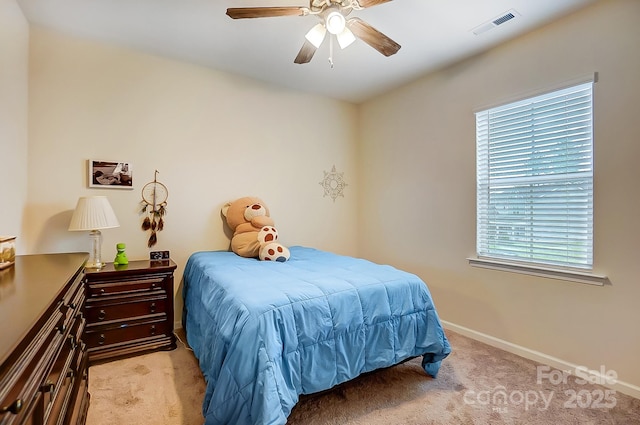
618, 385
177, 325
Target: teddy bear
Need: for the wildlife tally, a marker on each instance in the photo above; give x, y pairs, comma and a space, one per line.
254, 233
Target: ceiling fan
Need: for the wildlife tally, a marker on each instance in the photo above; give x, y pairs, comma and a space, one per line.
333, 19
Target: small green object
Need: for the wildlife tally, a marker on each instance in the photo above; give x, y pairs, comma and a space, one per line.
121, 256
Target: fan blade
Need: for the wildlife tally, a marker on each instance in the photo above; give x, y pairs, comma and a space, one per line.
369, 3
306, 53
265, 12
373, 37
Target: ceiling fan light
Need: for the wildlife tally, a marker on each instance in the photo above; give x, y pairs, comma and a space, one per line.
345, 38
335, 22
316, 35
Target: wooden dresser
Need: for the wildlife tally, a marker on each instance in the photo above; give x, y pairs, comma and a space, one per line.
43, 359
129, 309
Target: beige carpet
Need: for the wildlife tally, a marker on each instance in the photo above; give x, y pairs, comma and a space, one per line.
477, 384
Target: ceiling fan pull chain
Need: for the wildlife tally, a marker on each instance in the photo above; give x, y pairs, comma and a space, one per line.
331, 51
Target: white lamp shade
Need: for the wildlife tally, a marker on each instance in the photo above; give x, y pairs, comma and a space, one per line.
93, 213
316, 35
345, 38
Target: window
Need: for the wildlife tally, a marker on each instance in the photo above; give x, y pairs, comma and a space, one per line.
535, 180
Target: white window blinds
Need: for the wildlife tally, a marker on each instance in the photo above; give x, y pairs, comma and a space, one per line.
535, 179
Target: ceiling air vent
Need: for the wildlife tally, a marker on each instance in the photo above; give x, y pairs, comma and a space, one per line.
505, 17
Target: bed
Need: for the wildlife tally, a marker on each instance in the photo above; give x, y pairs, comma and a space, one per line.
266, 332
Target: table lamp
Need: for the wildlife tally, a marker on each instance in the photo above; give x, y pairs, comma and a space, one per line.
94, 213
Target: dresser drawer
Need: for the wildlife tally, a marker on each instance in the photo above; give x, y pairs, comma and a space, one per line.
97, 338
75, 296
24, 378
118, 309
56, 389
28, 414
80, 396
135, 286
57, 385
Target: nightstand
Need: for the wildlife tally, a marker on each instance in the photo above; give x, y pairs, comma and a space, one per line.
129, 309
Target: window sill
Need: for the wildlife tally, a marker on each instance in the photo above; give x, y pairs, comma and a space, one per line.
568, 275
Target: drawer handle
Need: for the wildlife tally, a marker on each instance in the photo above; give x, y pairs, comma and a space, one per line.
153, 286
102, 315
101, 339
62, 328
72, 341
102, 291
153, 307
47, 387
153, 329
14, 407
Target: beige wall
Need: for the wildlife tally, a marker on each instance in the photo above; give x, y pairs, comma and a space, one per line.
419, 188
212, 136
14, 39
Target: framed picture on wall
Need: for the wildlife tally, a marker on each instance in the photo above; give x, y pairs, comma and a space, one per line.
110, 174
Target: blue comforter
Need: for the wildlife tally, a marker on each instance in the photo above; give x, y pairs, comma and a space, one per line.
266, 332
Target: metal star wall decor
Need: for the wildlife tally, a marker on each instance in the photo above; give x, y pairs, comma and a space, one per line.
333, 184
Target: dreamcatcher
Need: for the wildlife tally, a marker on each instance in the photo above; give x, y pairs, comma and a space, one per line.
154, 205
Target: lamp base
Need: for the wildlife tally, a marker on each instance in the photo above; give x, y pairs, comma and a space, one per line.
95, 256
94, 265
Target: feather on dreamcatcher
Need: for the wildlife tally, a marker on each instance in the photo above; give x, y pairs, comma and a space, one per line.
154, 206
